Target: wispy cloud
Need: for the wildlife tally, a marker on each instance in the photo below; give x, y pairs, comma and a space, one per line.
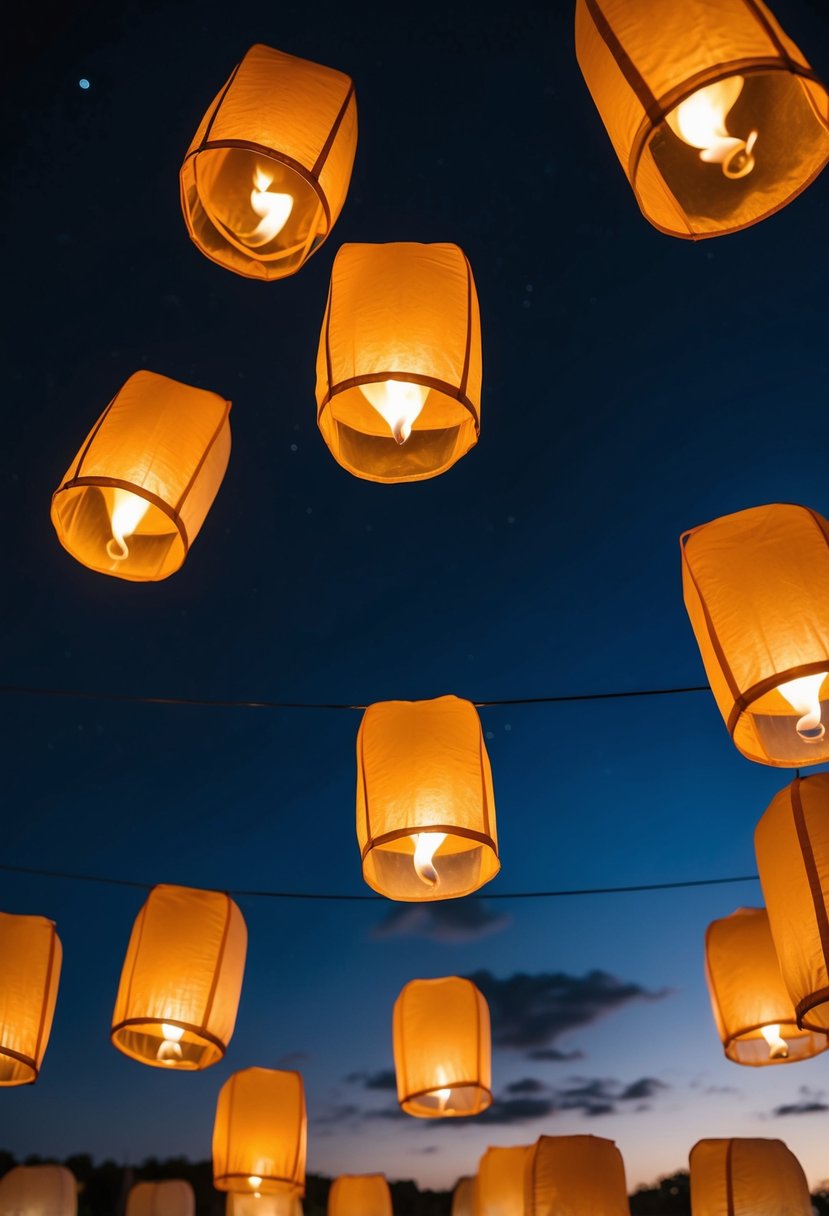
810, 1102
454, 921
384, 1079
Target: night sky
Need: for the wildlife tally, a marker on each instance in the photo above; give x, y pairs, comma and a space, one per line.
634, 385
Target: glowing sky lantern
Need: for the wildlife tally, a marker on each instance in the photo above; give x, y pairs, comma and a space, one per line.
38, 1190
260, 1134
746, 1176
30, 962
715, 114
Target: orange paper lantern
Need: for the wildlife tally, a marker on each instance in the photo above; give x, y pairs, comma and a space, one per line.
442, 1048
268, 170
257, 1204
756, 588
360, 1195
399, 363
181, 980
753, 1011
575, 1174
714, 112
30, 959
500, 1187
756, 1177
425, 804
134, 498
38, 1190
259, 1136
463, 1197
172, 1197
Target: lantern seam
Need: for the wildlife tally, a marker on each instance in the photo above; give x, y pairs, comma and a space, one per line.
362, 771
729, 1178
222, 423
468, 351
296, 1186
208, 1009
325, 150
151, 1021
449, 829
93, 434
770, 32
329, 370
623, 61
140, 492
725, 667
484, 799
142, 917
303, 1123
219, 103
443, 386
815, 890
46, 990
271, 154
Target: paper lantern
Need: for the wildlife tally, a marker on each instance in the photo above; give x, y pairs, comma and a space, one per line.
181, 980
259, 1136
262, 1205
38, 1190
425, 805
792, 846
360, 1195
172, 1197
30, 959
134, 498
572, 1175
399, 362
268, 170
756, 587
442, 1048
753, 1011
715, 114
500, 1185
755, 1177
463, 1197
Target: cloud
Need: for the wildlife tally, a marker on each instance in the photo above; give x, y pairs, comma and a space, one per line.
529, 1099
810, 1102
553, 1053
529, 1085
384, 1079
453, 921
532, 1011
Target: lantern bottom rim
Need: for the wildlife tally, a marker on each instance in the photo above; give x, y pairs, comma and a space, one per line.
140, 1037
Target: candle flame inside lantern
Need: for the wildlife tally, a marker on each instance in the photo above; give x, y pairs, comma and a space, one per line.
803, 694
701, 122
128, 510
398, 403
778, 1047
273, 208
426, 845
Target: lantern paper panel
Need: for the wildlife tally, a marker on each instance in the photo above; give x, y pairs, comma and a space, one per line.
442, 1048
136, 495
715, 114
463, 1197
572, 1175
752, 1009
792, 846
500, 1184
172, 1197
425, 802
267, 173
257, 1204
30, 962
747, 1178
181, 980
260, 1134
360, 1195
38, 1190
756, 587
399, 364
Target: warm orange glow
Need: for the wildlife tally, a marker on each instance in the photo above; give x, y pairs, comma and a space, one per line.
778, 1047
173, 1197
701, 121
426, 845
274, 209
760, 1177
39, 1190
259, 1135
30, 962
128, 510
803, 695
398, 403
575, 1175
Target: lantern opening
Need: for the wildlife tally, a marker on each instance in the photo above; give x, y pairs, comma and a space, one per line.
446, 1102
701, 122
248, 206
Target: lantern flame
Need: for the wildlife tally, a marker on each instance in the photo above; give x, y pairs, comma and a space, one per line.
443, 1096
803, 695
398, 402
255, 1180
272, 207
169, 1051
700, 121
128, 510
426, 845
778, 1047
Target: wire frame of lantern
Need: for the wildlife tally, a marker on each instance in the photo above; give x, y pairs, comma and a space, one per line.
181, 980
425, 802
171, 1197
756, 587
500, 1186
267, 173
760, 1177
463, 1197
38, 1190
399, 364
136, 495
260, 1134
715, 114
30, 961
792, 846
752, 1009
360, 1195
257, 1204
442, 1049
569, 1174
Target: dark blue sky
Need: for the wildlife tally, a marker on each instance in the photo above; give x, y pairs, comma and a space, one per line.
634, 385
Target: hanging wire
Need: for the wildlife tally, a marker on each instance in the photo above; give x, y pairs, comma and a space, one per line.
228, 703
378, 899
